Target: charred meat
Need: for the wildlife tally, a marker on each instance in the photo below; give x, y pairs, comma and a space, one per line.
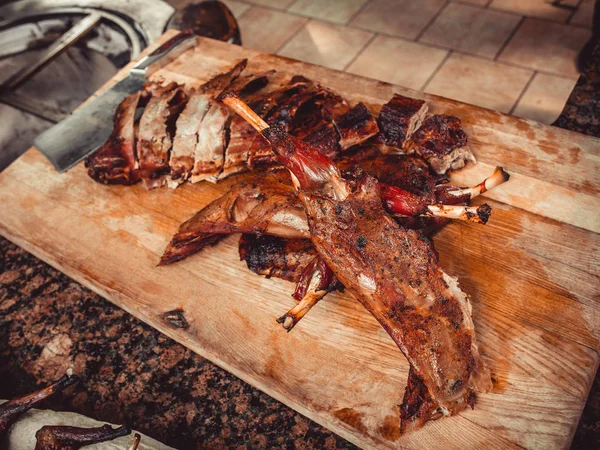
399, 118
442, 142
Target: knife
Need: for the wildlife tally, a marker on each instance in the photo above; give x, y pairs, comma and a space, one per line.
88, 128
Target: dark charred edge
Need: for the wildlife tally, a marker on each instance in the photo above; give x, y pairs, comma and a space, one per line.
57, 436
176, 319
281, 320
417, 405
484, 212
176, 250
13, 409
505, 175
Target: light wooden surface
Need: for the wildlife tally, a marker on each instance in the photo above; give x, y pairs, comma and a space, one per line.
532, 273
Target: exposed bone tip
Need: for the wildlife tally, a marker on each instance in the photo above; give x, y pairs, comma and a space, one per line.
287, 321
136, 441
505, 175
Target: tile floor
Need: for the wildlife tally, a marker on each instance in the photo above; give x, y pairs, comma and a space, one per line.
515, 56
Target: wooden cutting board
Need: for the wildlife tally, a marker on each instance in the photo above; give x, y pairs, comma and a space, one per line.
532, 274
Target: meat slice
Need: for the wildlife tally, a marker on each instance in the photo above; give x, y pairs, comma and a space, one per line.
277, 257
210, 149
156, 130
399, 118
188, 126
355, 126
442, 142
199, 141
116, 161
62, 437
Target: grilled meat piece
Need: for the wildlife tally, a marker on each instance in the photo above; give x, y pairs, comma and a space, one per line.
355, 126
392, 271
156, 130
73, 438
277, 257
442, 142
15, 408
264, 206
210, 149
399, 118
116, 161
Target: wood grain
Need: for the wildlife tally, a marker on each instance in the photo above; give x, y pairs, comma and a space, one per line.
532, 273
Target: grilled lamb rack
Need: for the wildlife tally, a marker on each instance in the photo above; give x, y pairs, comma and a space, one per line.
13, 409
392, 271
73, 438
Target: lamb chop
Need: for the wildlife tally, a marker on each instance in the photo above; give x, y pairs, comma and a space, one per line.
156, 130
398, 120
392, 271
442, 142
199, 141
73, 438
116, 161
15, 408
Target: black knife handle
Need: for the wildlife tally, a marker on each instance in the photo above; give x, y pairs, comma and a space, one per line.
166, 53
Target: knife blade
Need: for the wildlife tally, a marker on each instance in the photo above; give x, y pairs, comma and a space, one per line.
88, 128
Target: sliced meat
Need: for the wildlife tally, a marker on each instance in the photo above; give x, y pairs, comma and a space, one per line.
442, 142
156, 130
356, 126
277, 257
210, 149
189, 124
399, 118
116, 161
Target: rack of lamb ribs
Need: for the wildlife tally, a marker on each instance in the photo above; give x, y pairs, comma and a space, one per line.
365, 195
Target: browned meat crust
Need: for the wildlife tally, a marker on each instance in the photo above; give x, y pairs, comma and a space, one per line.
355, 126
395, 274
116, 161
73, 438
277, 257
442, 142
399, 118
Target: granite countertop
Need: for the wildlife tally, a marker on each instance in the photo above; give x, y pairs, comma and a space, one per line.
133, 374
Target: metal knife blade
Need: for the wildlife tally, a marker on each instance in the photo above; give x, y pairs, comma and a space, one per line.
86, 129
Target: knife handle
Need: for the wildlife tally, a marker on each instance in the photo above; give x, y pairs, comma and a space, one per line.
165, 54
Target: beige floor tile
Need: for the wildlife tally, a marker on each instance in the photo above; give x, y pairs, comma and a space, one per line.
237, 8
545, 98
584, 14
546, 46
404, 18
479, 82
279, 4
398, 62
471, 29
267, 30
337, 11
326, 44
536, 8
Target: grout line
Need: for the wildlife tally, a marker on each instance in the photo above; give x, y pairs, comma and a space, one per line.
487, 5
522, 94
290, 5
294, 34
433, 19
509, 38
579, 3
242, 15
358, 11
362, 49
435, 72
515, 13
